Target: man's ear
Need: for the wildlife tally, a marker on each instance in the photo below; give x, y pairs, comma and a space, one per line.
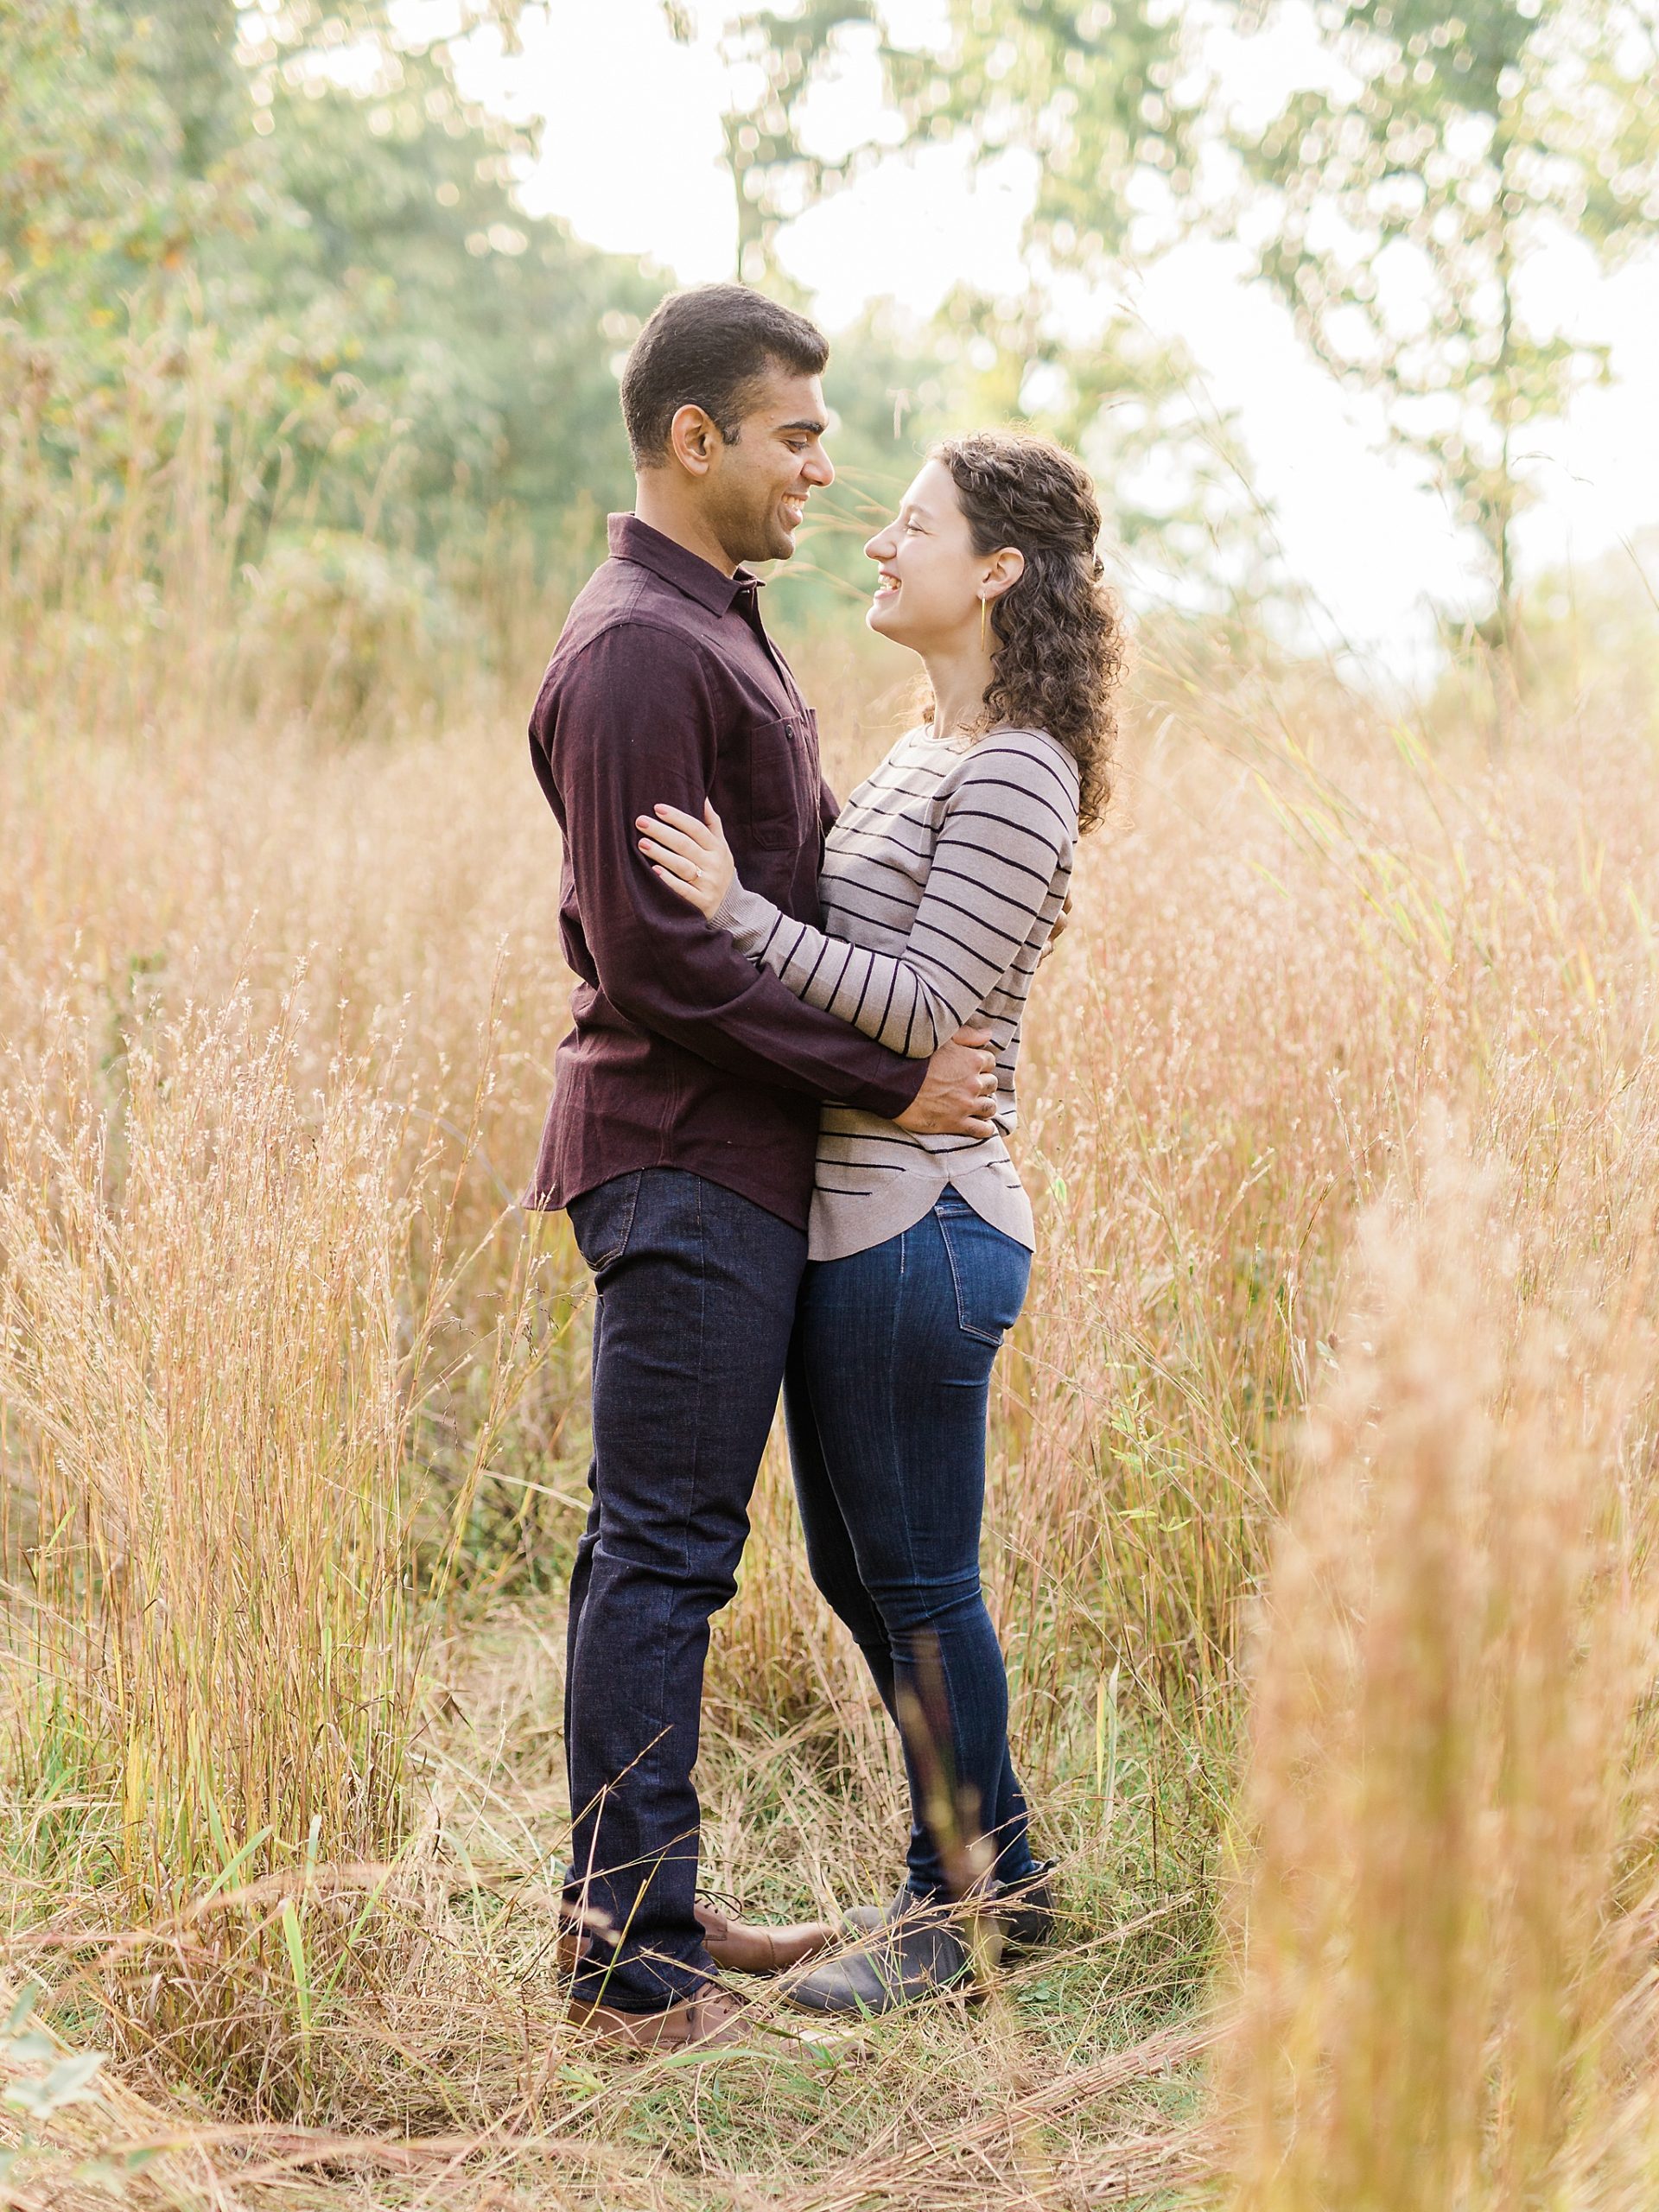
1006, 569
693, 436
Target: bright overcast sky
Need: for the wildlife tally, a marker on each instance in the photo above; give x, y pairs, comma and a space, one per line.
631, 159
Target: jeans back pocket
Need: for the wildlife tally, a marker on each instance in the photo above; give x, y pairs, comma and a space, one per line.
990, 1270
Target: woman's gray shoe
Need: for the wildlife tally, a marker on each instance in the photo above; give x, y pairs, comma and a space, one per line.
865, 1919
1026, 1910
916, 1955
1023, 1911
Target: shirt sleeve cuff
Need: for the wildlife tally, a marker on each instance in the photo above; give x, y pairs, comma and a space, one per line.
889, 1098
747, 919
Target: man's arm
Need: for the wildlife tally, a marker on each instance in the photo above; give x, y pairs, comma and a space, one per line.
634, 724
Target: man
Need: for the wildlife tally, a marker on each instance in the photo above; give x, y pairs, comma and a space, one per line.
685, 1116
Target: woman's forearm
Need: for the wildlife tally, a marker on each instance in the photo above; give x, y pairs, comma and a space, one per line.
885, 997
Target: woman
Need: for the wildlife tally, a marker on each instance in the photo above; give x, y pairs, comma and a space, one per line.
941, 883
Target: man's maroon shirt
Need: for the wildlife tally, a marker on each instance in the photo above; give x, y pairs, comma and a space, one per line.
664, 686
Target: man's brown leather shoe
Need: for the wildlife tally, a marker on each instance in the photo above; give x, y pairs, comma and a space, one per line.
711, 2019
749, 1947
735, 1946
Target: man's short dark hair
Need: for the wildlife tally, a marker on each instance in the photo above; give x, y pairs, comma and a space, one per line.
710, 347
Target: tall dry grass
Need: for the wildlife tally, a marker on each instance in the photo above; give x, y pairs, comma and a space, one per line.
203, 1381
209, 1524
294, 1434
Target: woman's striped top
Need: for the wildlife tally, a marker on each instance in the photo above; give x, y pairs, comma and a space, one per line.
941, 882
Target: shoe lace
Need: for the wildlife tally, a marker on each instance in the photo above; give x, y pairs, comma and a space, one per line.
715, 2005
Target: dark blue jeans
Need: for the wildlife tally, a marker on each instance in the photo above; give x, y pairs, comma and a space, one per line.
887, 1393
696, 1290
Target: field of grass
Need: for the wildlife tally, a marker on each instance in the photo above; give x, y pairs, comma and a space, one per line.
1323, 1482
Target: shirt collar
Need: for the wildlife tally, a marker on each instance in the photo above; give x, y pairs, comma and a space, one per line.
633, 540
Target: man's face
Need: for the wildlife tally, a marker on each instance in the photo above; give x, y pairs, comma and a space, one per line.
757, 488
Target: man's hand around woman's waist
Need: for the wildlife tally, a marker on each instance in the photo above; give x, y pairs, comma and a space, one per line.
959, 1094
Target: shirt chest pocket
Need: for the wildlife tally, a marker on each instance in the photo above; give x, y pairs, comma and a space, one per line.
783, 781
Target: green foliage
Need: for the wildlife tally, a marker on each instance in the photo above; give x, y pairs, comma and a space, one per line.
485, 336
69, 2080
192, 198
94, 198
1086, 86
187, 50
773, 171
1408, 199
1091, 90
1396, 208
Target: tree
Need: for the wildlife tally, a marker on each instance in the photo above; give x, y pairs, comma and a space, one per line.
91, 194
390, 333
485, 336
188, 50
1093, 89
1405, 201
1085, 85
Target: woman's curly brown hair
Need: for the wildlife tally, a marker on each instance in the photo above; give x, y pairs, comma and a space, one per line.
1059, 646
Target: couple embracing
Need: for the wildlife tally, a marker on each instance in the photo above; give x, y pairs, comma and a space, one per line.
778, 1127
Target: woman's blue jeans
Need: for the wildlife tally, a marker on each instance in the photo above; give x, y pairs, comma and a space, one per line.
886, 1392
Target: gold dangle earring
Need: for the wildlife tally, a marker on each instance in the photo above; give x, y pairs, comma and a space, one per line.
984, 622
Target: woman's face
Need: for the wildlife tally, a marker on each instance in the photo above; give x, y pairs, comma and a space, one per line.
931, 580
